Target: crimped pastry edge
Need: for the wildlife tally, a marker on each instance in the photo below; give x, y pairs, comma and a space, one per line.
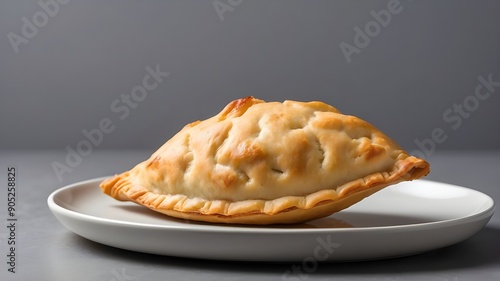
284, 210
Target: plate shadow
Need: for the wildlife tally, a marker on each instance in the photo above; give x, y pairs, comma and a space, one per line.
479, 250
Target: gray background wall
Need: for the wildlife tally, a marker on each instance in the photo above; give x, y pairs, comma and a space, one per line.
83, 57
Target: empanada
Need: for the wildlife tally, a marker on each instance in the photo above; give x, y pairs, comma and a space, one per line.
262, 162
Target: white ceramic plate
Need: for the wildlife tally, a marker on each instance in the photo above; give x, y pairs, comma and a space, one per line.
404, 219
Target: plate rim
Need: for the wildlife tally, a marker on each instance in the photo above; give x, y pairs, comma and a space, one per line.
225, 229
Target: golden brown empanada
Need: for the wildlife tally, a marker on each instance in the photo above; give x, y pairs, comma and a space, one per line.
264, 163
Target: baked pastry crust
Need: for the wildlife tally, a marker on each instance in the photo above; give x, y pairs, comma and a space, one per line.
262, 162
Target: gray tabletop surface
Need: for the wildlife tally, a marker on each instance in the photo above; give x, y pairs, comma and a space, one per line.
48, 251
